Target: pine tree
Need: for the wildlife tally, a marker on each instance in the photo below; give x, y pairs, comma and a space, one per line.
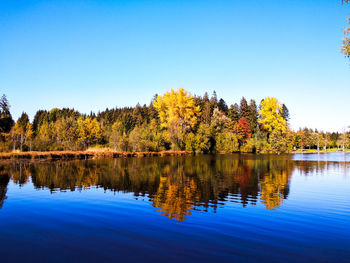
244, 110
206, 97
285, 112
253, 115
222, 106
233, 112
214, 100
6, 121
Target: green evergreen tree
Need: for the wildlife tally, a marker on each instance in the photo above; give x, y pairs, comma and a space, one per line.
244, 110
253, 115
222, 106
6, 121
233, 112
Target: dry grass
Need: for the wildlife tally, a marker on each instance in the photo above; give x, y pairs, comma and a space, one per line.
99, 149
70, 155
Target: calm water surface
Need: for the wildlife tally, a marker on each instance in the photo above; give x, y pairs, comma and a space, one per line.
207, 208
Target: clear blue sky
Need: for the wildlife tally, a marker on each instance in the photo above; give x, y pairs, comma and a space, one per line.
96, 54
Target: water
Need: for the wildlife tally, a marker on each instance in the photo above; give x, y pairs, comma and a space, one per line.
206, 208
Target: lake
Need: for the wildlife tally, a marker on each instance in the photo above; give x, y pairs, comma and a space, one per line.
204, 208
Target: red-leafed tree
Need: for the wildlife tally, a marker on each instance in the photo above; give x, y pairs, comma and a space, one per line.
241, 129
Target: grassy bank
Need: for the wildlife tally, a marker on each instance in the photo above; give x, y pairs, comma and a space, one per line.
70, 155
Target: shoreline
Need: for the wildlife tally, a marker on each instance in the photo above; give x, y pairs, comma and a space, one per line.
83, 155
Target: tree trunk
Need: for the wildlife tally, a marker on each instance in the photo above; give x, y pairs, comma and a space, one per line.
21, 142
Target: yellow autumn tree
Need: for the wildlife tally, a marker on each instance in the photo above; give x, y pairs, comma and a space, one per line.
89, 131
29, 135
178, 113
271, 116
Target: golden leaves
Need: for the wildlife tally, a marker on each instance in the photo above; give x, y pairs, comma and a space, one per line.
177, 108
271, 116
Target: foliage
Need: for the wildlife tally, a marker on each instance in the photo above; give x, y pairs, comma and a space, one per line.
199, 142
219, 121
272, 118
233, 112
242, 130
346, 40
175, 120
177, 108
116, 136
89, 131
253, 115
227, 142
178, 113
6, 121
261, 143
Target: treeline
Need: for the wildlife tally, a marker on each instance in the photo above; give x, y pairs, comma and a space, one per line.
174, 121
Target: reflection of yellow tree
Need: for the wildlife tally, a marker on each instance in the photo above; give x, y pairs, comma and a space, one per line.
176, 199
273, 189
20, 174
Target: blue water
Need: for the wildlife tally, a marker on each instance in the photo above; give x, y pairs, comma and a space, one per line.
206, 208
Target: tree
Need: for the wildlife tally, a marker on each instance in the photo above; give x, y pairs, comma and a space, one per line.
227, 142
199, 142
346, 40
272, 116
6, 121
214, 99
244, 110
279, 143
241, 130
178, 113
206, 112
138, 115
222, 106
66, 132
19, 130
274, 123
29, 135
253, 115
285, 113
233, 112
219, 122
206, 96
89, 131
147, 137
136, 141
45, 136
39, 117
203, 138
116, 135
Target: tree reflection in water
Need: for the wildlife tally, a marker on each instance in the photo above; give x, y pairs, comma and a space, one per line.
4, 180
175, 185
